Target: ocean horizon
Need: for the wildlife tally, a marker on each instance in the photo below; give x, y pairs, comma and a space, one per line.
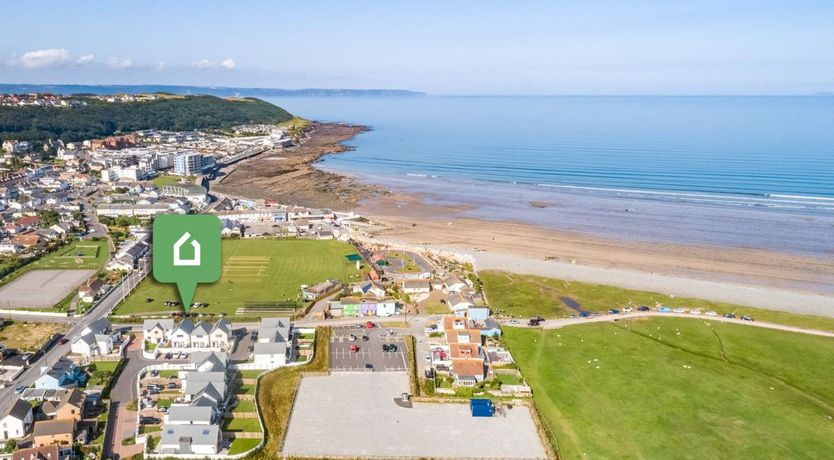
740, 171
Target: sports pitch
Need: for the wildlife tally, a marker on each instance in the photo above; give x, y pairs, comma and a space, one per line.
254, 271
41, 288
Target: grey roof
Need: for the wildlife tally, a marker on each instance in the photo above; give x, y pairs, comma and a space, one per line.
195, 415
270, 348
222, 325
201, 329
19, 409
211, 376
217, 361
186, 326
189, 435
215, 390
89, 339
165, 324
99, 325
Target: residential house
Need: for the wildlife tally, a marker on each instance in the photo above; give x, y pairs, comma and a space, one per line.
418, 286
488, 327
180, 414
181, 335
201, 335
350, 306
221, 334
387, 307
93, 345
189, 440
270, 355
273, 346
42, 453
92, 288
369, 289
17, 421
99, 326
274, 330
64, 374
460, 304
478, 313
455, 284
58, 432
157, 331
69, 406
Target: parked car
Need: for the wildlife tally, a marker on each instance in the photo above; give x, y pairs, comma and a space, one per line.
613, 311
63, 341
352, 338
627, 310
695, 312
173, 386
392, 348
643, 308
386, 347
664, 309
365, 338
354, 348
369, 367
19, 389
154, 372
746, 318
584, 314
711, 313
679, 310
729, 315
369, 325
148, 420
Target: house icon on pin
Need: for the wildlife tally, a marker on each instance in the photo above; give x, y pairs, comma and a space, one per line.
178, 260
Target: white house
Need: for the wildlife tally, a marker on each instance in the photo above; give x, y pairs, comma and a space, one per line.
386, 307
369, 288
221, 334
416, 286
189, 440
93, 344
181, 335
460, 304
270, 355
15, 424
200, 335
157, 331
454, 284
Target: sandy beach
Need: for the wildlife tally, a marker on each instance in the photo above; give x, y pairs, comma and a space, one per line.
748, 276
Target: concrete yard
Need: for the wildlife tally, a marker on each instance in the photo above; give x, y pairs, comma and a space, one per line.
370, 351
354, 414
42, 288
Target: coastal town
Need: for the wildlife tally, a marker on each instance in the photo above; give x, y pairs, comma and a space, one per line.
315, 319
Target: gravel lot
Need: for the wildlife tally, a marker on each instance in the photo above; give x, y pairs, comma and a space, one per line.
353, 414
42, 288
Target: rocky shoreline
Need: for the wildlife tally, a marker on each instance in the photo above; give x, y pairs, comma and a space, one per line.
288, 175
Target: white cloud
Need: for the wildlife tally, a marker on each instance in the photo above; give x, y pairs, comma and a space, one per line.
51, 57
119, 63
228, 64
160, 66
85, 59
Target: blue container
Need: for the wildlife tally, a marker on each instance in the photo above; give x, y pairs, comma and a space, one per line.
481, 407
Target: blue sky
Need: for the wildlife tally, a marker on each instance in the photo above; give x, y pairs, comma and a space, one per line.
483, 47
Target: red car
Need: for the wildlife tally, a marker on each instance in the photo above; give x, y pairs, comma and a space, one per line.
369, 325
354, 348
63, 341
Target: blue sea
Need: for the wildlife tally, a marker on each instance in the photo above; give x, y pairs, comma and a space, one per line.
705, 169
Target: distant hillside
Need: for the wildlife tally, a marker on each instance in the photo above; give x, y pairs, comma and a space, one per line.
99, 118
190, 90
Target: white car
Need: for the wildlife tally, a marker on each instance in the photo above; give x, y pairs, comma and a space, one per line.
679, 310
695, 312
711, 313
628, 310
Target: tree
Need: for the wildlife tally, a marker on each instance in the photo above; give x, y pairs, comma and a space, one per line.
48, 217
11, 446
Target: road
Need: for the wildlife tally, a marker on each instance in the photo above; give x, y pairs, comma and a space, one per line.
560, 323
119, 419
101, 310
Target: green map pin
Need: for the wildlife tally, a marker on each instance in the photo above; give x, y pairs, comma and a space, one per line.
186, 251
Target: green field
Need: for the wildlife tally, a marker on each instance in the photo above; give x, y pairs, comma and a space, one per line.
270, 270
242, 445
680, 388
163, 180
524, 296
247, 425
82, 255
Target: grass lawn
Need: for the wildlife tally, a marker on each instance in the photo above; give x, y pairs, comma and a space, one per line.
164, 402
250, 374
163, 180
82, 255
276, 392
679, 387
245, 425
28, 336
150, 429
245, 389
434, 307
255, 270
241, 445
101, 372
523, 296
244, 406
168, 373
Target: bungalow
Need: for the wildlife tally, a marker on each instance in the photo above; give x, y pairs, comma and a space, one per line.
367, 307
181, 335
369, 289
58, 432
454, 284
157, 331
319, 290
460, 304
180, 414
27, 240
467, 371
416, 286
189, 440
15, 423
488, 327
386, 307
